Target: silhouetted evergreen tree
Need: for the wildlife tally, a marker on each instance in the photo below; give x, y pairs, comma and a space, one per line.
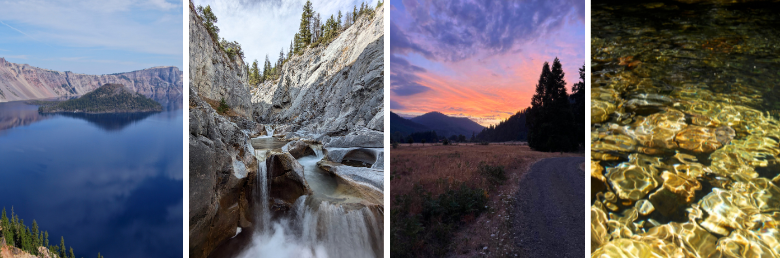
578, 108
550, 120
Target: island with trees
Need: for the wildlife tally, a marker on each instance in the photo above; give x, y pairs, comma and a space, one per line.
109, 98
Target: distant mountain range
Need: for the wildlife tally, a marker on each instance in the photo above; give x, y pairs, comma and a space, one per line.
25, 82
434, 121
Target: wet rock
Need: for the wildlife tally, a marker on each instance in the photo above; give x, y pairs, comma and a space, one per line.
367, 176
598, 228
677, 191
361, 138
698, 139
600, 111
632, 180
285, 177
728, 210
298, 149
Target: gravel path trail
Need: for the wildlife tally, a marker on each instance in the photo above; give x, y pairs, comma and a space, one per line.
550, 211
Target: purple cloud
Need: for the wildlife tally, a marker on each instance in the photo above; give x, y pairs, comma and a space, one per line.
459, 29
403, 77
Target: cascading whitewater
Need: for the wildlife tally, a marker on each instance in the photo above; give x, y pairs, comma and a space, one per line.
317, 150
269, 131
262, 188
316, 228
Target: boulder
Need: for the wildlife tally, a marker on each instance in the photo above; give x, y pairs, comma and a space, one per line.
361, 138
286, 178
298, 149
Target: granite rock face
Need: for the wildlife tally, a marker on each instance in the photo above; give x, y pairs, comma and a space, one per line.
213, 74
23, 82
223, 174
223, 168
330, 90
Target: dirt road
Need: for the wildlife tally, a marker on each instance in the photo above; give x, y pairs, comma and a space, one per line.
549, 213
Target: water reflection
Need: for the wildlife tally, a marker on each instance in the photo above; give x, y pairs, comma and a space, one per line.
17, 113
110, 185
110, 122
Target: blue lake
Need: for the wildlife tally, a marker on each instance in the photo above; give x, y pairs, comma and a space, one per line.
109, 183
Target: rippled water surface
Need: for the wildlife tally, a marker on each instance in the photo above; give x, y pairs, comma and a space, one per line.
685, 133
107, 183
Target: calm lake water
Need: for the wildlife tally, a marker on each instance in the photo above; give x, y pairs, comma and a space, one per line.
109, 183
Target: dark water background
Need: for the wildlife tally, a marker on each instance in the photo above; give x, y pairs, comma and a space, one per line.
108, 183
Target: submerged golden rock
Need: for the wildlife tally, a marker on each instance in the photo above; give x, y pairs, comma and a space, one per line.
728, 210
632, 180
629, 248
744, 243
600, 111
698, 139
598, 228
698, 121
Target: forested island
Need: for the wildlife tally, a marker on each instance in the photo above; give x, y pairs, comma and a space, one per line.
109, 98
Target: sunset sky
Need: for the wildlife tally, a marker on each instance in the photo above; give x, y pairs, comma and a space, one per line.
479, 60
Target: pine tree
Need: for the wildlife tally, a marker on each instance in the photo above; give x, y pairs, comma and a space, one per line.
209, 21
36, 234
63, 250
578, 107
71, 253
7, 231
289, 51
354, 14
280, 62
550, 120
338, 22
266, 69
304, 32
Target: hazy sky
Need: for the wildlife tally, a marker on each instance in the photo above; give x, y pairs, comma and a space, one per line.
264, 27
92, 36
479, 59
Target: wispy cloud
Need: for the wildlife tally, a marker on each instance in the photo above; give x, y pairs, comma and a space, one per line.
9, 26
460, 29
112, 35
16, 56
129, 25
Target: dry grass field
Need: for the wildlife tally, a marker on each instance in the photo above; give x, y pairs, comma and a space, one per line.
433, 214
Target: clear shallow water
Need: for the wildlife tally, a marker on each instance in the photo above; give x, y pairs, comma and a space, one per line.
107, 183
684, 140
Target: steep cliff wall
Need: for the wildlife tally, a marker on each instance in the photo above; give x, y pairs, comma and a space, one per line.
23, 82
213, 74
223, 169
330, 90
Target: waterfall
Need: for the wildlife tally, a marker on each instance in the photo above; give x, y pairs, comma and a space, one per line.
317, 150
343, 233
262, 185
269, 131
314, 227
